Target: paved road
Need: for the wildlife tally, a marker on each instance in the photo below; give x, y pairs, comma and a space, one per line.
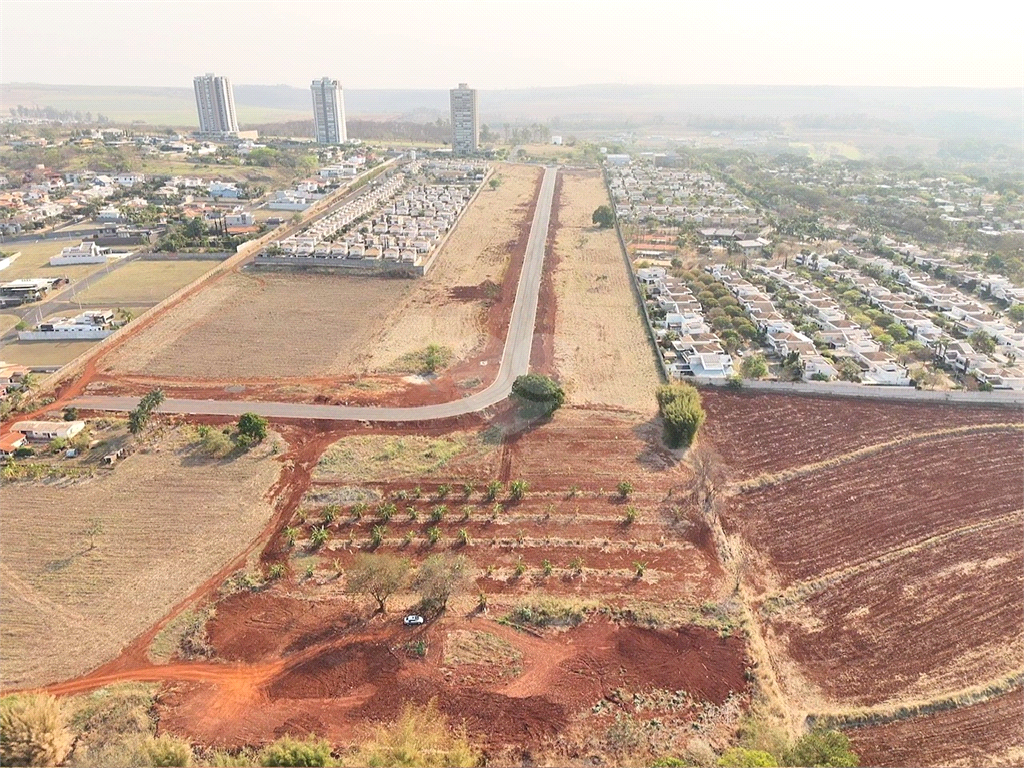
515, 359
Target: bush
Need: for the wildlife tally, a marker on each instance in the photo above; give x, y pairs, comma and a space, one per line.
754, 367
33, 731
419, 737
287, 752
681, 410
603, 216
165, 750
252, 426
537, 388
216, 444
830, 749
738, 757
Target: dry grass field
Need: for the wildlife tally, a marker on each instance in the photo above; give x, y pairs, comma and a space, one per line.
7, 322
35, 261
256, 325
170, 519
601, 351
478, 252
43, 353
144, 281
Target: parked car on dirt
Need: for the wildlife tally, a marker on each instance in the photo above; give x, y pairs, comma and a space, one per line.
413, 620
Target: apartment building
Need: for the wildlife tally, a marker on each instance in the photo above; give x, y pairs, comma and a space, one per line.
328, 111
465, 120
215, 103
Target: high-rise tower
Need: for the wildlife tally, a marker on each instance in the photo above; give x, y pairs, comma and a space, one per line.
329, 111
215, 103
465, 122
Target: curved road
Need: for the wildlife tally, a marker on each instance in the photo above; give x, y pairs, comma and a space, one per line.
515, 359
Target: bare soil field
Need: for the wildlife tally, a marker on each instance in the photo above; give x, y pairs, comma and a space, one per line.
976, 735
450, 306
145, 281
253, 325
756, 433
601, 351
169, 519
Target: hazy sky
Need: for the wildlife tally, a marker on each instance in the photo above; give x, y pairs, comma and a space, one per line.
392, 44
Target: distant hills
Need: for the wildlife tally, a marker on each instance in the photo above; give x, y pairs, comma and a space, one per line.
992, 114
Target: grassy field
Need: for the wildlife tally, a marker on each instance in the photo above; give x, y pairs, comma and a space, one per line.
43, 353
478, 251
143, 281
7, 322
362, 458
253, 325
60, 583
35, 261
601, 351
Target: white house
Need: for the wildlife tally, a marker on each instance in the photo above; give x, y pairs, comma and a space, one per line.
48, 430
86, 252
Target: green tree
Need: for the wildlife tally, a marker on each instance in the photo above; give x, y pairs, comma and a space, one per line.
822, 749
439, 577
252, 426
681, 410
603, 216
983, 342
848, 370
379, 576
754, 366
537, 388
139, 418
1016, 313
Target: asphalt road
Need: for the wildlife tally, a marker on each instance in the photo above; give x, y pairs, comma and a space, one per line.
515, 359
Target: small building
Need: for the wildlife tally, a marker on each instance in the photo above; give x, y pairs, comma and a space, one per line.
48, 430
86, 252
11, 442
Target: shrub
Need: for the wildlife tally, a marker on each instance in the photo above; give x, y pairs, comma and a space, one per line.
166, 750
443, 490
433, 534
276, 571
437, 513
33, 731
537, 388
287, 752
625, 488
822, 748
319, 536
681, 410
738, 757
253, 426
632, 513
493, 489
419, 737
517, 489
377, 534
603, 216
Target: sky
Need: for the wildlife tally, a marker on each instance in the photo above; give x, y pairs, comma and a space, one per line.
521, 44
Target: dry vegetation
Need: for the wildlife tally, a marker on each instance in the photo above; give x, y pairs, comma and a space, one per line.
144, 281
373, 458
477, 253
169, 517
43, 353
35, 261
260, 325
601, 351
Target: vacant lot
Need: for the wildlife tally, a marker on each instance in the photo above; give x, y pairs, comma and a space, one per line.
143, 282
450, 306
255, 325
7, 322
43, 353
601, 349
167, 520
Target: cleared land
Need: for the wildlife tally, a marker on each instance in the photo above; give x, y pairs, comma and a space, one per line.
260, 325
144, 281
884, 556
251, 325
35, 261
43, 353
449, 307
170, 518
601, 351
7, 322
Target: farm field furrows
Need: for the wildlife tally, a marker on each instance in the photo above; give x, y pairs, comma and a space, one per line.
987, 733
450, 306
601, 351
169, 520
256, 325
945, 617
866, 507
761, 432
144, 281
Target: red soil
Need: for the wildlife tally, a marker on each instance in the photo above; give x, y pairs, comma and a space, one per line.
889, 499
975, 735
759, 432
